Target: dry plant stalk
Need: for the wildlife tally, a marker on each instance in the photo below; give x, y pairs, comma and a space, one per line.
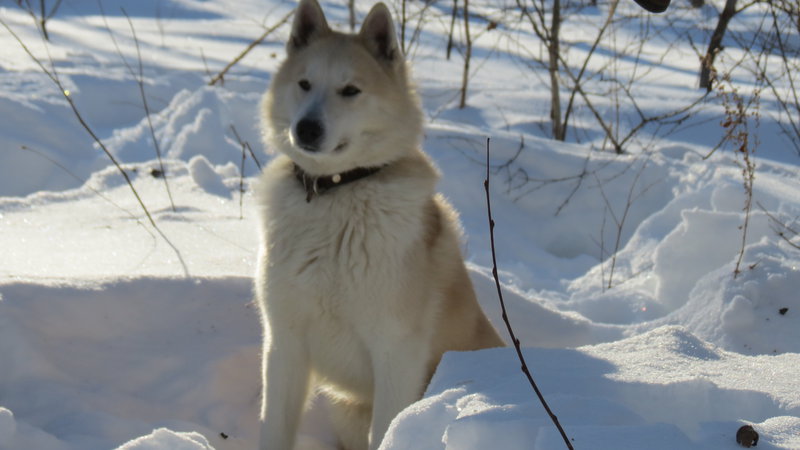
619, 219
738, 133
82, 181
514, 339
52, 74
139, 77
245, 147
140, 83
784, 231
221, 75
44, 15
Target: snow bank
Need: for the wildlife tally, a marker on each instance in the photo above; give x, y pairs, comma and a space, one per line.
195, 123
663, 389
19, 435
100, 363
164, 439
8, 427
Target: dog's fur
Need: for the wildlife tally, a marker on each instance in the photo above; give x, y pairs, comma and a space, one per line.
362, 288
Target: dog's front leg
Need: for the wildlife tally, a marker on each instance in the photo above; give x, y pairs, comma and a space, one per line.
285, 388
400, 375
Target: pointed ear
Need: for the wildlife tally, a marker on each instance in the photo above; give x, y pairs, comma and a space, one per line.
378, 34
309, 24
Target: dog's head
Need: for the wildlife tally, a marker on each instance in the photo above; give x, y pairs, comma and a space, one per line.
341, 101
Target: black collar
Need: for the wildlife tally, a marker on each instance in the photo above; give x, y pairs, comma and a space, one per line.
319, 185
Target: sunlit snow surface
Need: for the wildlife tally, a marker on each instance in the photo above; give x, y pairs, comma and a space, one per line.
105, 342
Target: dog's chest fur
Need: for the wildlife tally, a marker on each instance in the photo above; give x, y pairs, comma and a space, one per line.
338, 266
343, 248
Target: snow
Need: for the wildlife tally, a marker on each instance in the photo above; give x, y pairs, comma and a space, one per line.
164, 438
661, 389
617, 270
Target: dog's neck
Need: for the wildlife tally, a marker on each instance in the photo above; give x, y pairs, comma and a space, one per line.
316, 186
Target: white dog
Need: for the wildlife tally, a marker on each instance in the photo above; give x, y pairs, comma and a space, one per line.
361, 282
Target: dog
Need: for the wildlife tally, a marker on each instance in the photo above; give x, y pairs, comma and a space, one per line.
361, 283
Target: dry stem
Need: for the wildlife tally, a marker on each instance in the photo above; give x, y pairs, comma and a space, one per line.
514, 339
221, 75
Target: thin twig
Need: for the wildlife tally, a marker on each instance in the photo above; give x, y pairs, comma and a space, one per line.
82, 181
53, 75
139, 77
245, 144
580, 177
421, 15
738, 134
514, 339
241, 174
619, 221
140, 82
603, 250
241, 186
252, 45
66, 94
779, 226
612, 9
44, 16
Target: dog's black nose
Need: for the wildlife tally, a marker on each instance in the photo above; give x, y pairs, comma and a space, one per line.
309, 134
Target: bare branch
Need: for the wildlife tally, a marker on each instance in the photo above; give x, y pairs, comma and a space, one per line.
589, 55
220, 76
139, 77
514, 339
82, 181
781, 228
452, 28
53, 75
245, 146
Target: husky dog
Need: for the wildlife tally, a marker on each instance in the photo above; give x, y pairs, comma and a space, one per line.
361, 282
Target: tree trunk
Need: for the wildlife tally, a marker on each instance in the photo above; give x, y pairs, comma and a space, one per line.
553, 49
467, 57
351, 5
715, 45
403, 26
452, 28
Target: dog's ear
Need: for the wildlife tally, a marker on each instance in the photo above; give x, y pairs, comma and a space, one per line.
309, 24
378, 34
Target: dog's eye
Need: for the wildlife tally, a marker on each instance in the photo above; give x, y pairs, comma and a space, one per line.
304, 85
349, 91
